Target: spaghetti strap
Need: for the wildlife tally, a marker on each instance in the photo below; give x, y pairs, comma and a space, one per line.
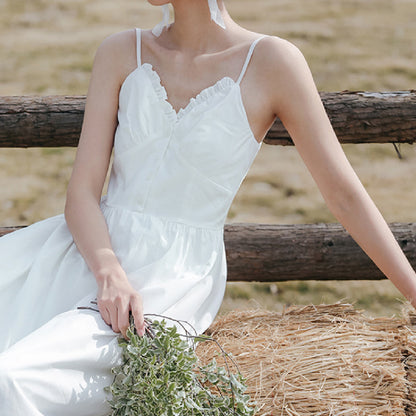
139, 46
249, 54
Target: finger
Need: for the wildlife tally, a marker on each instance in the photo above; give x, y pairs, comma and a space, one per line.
114, 319
137, 312
123, 320
105, 315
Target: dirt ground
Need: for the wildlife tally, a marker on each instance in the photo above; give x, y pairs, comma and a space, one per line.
48, 47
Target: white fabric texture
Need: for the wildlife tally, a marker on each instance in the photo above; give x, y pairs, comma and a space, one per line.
213, 9
173, 179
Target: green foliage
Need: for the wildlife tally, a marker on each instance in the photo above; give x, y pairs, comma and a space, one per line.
161, 376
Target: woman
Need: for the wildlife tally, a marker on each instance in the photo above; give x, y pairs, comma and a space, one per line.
154, 244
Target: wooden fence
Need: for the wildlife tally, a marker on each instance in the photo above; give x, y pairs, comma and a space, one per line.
257, 252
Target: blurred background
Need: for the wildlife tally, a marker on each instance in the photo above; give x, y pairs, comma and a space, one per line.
47, 47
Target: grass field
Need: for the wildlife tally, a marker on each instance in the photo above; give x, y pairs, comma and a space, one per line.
48, 48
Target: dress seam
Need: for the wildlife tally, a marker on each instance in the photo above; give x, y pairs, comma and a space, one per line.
160, 217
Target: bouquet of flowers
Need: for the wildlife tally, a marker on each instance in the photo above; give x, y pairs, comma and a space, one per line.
161, 376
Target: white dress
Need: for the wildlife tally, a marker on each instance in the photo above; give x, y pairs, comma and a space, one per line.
173, 179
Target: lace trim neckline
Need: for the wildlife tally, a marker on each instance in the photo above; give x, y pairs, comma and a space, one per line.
222, 84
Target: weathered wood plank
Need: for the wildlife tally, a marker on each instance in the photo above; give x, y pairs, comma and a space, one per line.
364, 117
357, 117
32, 121
270, 253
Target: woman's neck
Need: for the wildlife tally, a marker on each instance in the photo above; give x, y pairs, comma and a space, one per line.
193, 29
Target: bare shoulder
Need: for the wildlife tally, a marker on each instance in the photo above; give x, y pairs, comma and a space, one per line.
282, 71
277, 56
273, 58
278, 50
118, 43
117, 53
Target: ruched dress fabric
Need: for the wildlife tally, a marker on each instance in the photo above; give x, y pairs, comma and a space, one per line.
173, 179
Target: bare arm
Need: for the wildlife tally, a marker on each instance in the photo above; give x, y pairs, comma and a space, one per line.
83, 215
297, 103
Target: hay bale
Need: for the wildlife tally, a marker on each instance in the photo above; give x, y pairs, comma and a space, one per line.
409, 357
321, 360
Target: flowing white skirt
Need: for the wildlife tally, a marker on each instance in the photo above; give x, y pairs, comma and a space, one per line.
56, 359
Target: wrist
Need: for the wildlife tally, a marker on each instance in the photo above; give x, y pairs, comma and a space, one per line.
105, 265
108, 274
409, 292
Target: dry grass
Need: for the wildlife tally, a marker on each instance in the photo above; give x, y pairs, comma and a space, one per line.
48, 47
320, 360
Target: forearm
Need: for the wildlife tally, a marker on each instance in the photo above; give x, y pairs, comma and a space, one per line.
116, 298
89, 229
361, 218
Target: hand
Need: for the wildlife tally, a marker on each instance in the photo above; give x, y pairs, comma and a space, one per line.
116, 298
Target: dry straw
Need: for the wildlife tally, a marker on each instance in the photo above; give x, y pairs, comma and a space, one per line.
322, 360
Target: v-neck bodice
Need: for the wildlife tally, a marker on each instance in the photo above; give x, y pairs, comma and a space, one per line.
185, 166
221, 84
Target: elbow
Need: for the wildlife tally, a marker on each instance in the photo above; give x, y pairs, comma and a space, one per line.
344, 203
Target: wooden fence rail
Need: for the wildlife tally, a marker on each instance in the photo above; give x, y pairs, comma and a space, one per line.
357, 117
257, 252
271, 253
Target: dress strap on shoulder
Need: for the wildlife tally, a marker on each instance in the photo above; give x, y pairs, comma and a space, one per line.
139, 46
250, 53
